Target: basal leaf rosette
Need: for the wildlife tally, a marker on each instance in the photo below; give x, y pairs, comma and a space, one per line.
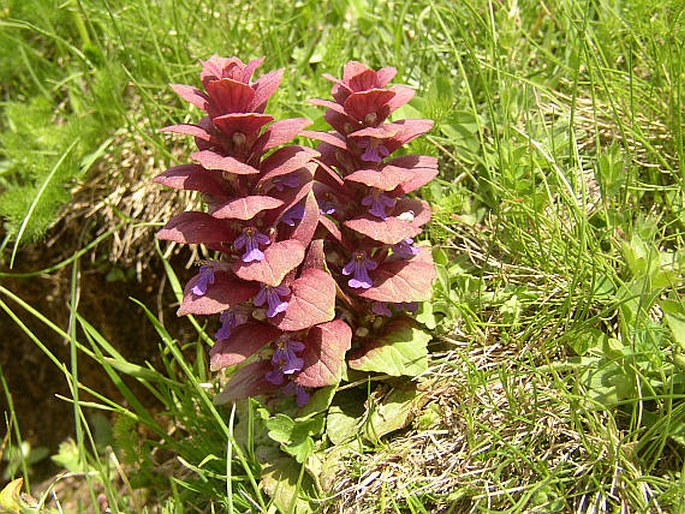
369, 218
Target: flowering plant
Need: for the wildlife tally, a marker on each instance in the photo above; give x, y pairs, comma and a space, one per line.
292, 228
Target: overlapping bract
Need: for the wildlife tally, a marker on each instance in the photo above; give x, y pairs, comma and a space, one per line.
293, 228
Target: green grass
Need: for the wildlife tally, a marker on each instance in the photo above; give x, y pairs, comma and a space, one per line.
557, 380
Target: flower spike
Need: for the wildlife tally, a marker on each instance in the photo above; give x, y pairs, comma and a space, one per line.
293, 229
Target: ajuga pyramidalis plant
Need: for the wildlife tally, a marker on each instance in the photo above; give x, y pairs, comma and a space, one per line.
294, 230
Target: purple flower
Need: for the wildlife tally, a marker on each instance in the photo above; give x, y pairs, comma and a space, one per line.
359, 268
230, 319
285, 355
378, 201
382, 309
285, 360
301, 394
251, 238
326, 204
405, 249
375, 150
275, 376
292, 215
280, 183
272, 297
206, 278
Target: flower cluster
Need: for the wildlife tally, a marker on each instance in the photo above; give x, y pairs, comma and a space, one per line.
267, 281
292, 228
362, 192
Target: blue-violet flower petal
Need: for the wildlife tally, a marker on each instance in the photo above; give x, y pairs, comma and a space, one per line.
378, 202
280, 183
381, 309
206, 279
294, 214
375, 150
250, 239
359, 268
272, 297
230, 319
405, 249
285, 355
301, 394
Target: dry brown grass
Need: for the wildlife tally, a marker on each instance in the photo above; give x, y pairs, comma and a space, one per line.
120, 196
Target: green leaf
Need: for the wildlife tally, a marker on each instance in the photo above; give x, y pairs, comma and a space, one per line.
394, 413
281, 481
636, 254
443, 278
345, 416
679, 360
320, 401
430, 417
302, 450
608, 384
651, 268
280, 428
294, 435
440, 256
461, 127
603, 287
426, 316
589, 340
400, 351
674, 315
68, 457
677, 432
